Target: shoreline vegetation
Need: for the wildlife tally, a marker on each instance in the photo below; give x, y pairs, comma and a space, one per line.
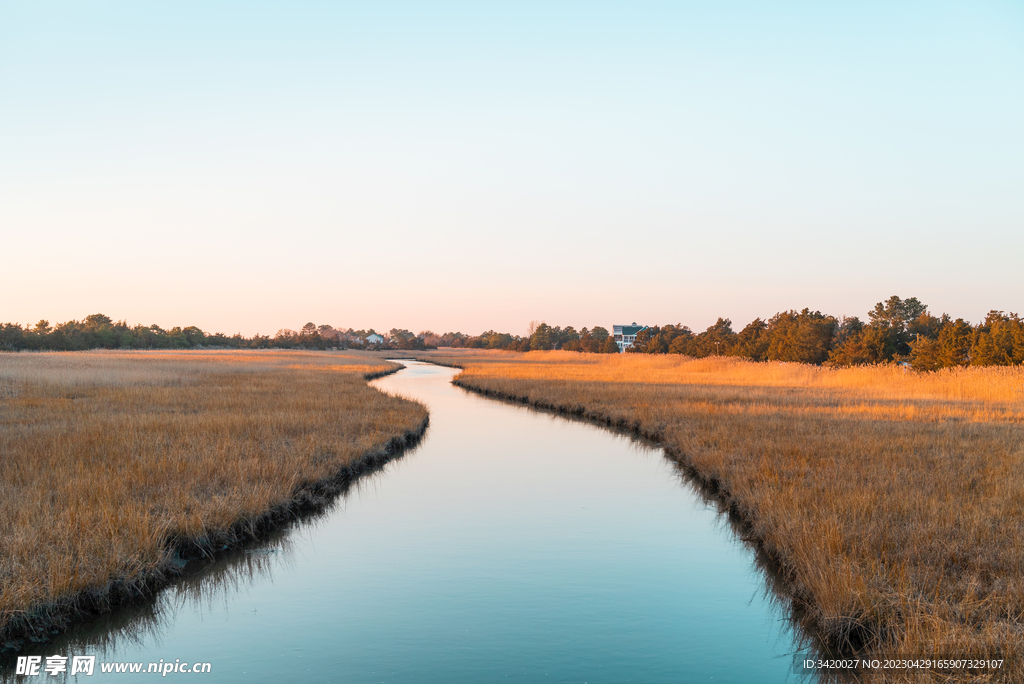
891, 502
121, 467
898, 331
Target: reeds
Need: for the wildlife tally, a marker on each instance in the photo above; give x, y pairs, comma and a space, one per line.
113, 460
892, 501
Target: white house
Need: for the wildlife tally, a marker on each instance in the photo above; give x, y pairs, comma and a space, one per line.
625, 335
374, 338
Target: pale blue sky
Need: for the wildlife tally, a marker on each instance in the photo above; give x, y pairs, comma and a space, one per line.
248, 166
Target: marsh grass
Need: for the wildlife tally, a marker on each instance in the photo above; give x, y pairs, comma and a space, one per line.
114, 463
891, 501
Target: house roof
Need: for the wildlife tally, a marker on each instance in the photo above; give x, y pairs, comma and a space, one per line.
628, 329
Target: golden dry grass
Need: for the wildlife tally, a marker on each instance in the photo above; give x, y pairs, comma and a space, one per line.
106, 456
893, 501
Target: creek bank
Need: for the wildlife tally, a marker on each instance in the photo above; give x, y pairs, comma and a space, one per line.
186, 555
830, 638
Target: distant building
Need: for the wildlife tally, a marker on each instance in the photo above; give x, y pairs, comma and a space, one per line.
625, 335
374, 338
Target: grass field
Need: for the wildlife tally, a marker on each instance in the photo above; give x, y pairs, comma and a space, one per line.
112, 460
892, 501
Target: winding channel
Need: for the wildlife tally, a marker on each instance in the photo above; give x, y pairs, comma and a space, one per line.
509, 546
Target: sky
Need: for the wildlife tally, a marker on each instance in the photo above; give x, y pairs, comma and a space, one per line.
250, 166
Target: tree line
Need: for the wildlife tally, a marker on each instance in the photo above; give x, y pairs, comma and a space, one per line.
898, 330
98, 331
540, 337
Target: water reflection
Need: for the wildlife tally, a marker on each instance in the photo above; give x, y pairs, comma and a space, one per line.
773, 591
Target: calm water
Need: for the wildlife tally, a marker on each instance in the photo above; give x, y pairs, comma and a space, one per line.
511, 546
